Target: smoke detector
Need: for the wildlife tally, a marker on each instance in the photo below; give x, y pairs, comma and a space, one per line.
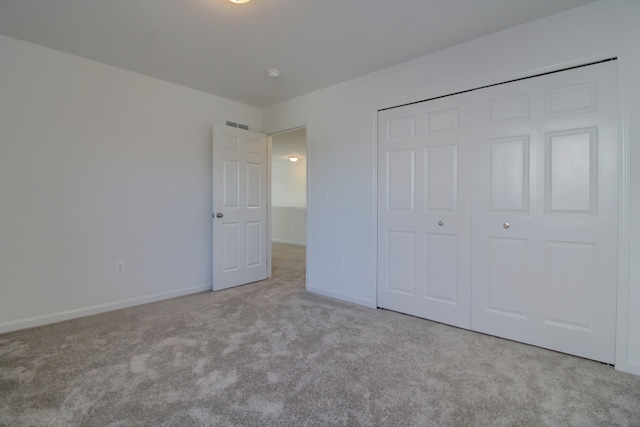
273, 73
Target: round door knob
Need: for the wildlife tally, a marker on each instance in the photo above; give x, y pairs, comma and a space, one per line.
505, 225
219, 215
440, 223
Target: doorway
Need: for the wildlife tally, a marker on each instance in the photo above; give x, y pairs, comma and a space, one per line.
289, 196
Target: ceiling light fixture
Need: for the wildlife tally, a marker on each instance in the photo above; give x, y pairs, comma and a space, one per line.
294, 158
273, 73
239, 1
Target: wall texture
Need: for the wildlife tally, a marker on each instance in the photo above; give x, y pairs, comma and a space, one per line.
342, 141
97, 166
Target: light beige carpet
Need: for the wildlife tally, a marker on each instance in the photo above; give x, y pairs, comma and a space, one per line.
271, 354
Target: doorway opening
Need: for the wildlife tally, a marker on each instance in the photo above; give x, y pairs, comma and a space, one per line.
288, 198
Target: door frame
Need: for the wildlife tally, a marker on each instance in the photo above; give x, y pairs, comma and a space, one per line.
270, 136
624, 181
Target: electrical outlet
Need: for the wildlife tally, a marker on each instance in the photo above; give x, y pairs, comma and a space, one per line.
120, 267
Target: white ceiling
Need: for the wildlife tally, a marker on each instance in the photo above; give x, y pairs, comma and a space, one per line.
225, 49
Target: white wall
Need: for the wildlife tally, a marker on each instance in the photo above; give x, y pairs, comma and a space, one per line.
341, 199
289, 183
289, 225
100, 165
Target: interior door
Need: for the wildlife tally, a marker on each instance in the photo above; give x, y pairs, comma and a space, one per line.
239, 207
545, 201
424, 198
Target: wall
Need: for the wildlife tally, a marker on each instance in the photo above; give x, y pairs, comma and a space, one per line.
99, 165
342, 141
288, 225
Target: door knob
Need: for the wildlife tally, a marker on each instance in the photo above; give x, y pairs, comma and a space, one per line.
440, 223
219, 215
505, 225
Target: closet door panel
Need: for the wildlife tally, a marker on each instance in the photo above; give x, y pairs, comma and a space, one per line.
560, 196
424, 169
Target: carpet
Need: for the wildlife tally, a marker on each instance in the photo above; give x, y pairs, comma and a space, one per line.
272, 354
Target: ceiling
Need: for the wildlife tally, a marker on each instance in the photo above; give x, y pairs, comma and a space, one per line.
225, 49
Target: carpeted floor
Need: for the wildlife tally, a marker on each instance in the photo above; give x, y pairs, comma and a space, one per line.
271, 354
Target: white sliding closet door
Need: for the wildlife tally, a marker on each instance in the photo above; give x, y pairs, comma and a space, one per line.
545, 206
424, 262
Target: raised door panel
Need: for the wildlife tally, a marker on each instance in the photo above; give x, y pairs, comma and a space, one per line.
400, 260
231, 184
442, 277
501, 305
400, 181
509, 174
230, 247
571, 175
509, 110
572, 99
254, 184
254, 244
400, 127
442, 120
254, 146
569, 281
441, 186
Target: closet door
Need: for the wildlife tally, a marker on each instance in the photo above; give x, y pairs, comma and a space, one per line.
424, 205
545, 202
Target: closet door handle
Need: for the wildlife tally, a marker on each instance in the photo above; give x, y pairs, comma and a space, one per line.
506, 225
440, 223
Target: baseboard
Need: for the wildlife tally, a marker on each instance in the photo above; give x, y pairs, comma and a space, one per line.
288, 242
633, 367
341, 296
46, 319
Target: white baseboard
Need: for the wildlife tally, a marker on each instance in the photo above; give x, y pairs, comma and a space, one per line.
46, 319
632, 367
288, 242
340, 296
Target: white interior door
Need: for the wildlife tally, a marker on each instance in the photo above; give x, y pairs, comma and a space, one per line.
424, 198
240, 253
546, 211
